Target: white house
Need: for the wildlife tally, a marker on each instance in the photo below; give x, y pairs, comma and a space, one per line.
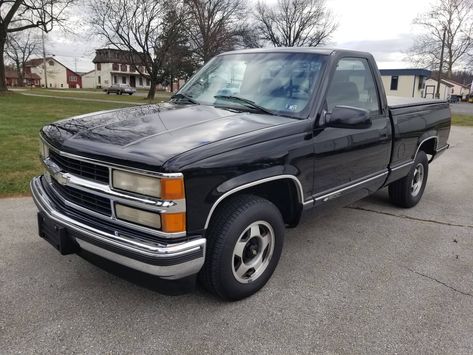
457, 89
89, 80
113, 66
58, 75
405, 82
445, 90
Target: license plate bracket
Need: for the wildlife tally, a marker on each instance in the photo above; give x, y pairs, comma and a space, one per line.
56, 235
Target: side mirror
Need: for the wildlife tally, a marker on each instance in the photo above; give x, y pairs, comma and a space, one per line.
348, 117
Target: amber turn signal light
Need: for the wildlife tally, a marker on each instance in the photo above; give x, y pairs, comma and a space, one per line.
172, 189
173, 222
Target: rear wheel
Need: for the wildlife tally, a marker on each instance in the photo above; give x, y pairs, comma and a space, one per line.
408, 191
245, 241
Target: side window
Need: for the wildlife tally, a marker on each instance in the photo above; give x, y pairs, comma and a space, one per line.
394, 83
353, 85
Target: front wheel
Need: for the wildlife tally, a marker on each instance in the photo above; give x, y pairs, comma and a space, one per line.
408, 191
245, 241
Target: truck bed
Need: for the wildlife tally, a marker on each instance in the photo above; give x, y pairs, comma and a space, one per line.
395, 102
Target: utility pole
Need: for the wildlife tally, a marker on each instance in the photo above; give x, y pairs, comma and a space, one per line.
439, 78
44, 62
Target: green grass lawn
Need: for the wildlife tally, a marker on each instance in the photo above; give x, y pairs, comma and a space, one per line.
462, 120
98, 94
21, 117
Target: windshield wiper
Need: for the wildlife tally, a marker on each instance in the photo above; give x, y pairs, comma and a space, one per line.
246, 102
180, 95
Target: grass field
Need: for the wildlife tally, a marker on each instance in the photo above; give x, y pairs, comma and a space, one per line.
100, 95
462, 120
22, 116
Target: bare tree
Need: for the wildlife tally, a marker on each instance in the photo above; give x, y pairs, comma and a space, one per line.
20, 15
455, 17
295, 23
215, 26
19, 48
138, 26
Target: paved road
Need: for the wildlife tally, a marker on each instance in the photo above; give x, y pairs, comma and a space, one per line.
365, 279
462, 108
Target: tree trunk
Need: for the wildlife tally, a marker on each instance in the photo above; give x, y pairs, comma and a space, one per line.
20, 81
172, 83
3, 81
152, 89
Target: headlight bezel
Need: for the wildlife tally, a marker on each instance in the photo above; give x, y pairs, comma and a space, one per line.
43, 150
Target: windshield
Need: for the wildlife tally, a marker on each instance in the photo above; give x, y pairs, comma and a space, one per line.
277, 83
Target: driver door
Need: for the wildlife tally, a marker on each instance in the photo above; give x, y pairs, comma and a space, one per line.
351, 162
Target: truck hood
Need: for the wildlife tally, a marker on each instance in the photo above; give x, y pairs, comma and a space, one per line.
152, 134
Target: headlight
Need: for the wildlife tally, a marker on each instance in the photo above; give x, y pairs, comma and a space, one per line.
165, 188
43, 150
141, 184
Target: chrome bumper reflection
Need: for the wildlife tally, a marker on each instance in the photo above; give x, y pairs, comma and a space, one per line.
158, 257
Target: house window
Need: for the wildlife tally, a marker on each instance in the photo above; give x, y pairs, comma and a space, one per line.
98, 79
394, 82
123, 68
123, 79
99, 66
51, 63
148, 82
115, 66
140, 80
115, 79
62, 85
421, 83
132, 68
73, 78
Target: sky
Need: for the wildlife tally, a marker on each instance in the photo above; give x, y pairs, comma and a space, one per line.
382, 27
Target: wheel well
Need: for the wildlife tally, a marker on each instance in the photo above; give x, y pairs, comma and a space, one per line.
428, 146
283, 193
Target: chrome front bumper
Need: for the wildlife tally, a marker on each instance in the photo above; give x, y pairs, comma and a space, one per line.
168, 261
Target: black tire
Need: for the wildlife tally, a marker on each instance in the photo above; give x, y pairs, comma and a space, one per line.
227, 227
401, 192
130, 93
108, 92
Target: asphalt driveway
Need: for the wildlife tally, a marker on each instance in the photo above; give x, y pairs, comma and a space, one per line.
462, 108
369, 278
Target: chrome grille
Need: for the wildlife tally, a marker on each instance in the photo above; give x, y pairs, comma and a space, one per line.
84, 199
80, 168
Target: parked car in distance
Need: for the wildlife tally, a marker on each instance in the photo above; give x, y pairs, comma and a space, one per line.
207, 183
120, 89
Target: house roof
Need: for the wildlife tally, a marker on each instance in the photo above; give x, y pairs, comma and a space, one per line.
39, 61
455, 83
12, 74
85, 73
446, 83
406, 72
111, 55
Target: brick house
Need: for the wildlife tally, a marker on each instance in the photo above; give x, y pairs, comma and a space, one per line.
11, 77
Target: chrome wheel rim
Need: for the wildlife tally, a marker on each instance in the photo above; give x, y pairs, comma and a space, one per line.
253, 251
417, 180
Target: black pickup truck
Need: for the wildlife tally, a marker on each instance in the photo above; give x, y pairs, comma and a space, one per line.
207, 182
